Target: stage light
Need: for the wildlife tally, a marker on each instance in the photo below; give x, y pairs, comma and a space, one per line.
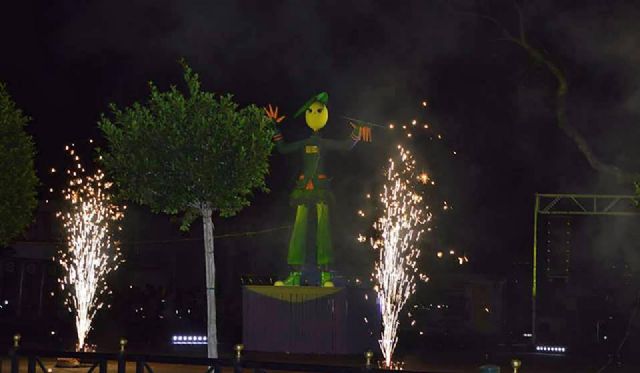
188, 340
554, 349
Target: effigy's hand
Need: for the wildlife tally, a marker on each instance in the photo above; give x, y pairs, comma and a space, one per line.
361, 132
272, 113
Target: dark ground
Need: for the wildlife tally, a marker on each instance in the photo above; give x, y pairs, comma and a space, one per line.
437, 363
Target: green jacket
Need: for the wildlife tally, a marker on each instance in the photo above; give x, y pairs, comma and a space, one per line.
312, 185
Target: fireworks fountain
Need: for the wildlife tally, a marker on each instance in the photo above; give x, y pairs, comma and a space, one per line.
90, 253
404, 217
399, 228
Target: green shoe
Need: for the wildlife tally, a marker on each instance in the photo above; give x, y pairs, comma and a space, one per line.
292, 280
325, 279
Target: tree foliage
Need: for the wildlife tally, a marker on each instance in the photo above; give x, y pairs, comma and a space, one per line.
194, 153
179, 151
18, 179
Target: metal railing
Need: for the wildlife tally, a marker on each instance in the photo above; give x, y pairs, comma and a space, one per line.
238, 363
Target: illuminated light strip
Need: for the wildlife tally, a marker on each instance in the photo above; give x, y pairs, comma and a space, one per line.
559, 349
189, 340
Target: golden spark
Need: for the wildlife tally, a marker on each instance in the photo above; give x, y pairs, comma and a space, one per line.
423, 178
90, 253
399, 229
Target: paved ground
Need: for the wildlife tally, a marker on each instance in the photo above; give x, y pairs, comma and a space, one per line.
531, 364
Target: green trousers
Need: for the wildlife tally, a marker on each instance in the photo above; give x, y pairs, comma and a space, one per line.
298, 242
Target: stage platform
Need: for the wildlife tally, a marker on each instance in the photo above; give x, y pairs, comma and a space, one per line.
309, 319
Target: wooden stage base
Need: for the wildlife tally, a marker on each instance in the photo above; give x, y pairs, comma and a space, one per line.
309, 319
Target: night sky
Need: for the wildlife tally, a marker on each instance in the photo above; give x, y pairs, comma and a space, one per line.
64, 61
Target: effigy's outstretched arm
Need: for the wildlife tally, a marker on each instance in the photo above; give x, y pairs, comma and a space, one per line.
286, 147
347, 144
282, 146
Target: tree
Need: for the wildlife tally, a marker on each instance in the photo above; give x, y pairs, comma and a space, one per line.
562, 89
18, 179
194, 154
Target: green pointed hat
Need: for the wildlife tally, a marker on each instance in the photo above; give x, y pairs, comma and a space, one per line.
322, 97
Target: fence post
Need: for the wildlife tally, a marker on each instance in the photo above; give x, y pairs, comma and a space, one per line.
368, 359
516, 364
122, 363
15, 361
139, 365
31, 364
237, 365
102, 366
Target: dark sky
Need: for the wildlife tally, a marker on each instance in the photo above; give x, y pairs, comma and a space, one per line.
65, 60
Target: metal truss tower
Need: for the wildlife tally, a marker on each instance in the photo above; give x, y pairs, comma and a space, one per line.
574, 204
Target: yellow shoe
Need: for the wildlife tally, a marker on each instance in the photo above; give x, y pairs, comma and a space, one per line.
325, 279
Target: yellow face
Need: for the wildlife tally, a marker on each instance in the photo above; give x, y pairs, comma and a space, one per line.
316, 116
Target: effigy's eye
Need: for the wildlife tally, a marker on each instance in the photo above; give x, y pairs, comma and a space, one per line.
320, 110
309, 110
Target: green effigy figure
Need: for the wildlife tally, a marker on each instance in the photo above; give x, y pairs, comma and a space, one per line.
311, 194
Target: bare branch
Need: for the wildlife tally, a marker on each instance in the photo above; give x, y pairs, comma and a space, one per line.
507, 35
561, 108
520, 22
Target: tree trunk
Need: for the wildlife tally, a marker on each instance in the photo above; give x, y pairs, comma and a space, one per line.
212, 333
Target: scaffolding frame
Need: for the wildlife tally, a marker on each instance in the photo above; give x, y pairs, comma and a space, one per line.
574, 204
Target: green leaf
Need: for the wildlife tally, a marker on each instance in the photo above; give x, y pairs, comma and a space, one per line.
18, 180
176, 150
